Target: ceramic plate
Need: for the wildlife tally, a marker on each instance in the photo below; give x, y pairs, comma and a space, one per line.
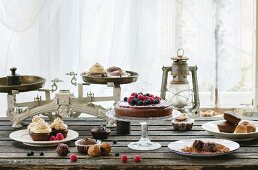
212, 128
178, 145
24, 137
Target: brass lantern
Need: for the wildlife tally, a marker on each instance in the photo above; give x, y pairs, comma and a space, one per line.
179, 88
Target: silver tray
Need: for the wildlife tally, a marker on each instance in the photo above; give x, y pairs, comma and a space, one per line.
116, 80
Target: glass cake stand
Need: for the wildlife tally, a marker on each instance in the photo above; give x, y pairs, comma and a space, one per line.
144, 143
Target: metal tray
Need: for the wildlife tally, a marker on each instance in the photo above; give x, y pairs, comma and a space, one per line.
116, 80
28, 83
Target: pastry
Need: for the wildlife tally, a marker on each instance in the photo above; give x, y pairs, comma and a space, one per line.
226, 127
231, 117
35, 120
40, 131
58, 126
143, 105
116, 72
100, 132
105, 149
245, 127
97, 71
83, 145
62, 149
94, 150
182, 122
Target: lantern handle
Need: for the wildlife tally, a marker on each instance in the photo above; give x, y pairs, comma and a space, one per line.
180, 50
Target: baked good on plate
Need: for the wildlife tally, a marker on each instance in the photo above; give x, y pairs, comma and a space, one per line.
83, 145
35, 120
40, 131
226, 127
231, 117
182, 122
143, 105
58, 126
116, 72
245, 127
100, 132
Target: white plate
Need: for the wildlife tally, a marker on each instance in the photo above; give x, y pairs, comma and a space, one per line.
24, 137
212, 128
178, 145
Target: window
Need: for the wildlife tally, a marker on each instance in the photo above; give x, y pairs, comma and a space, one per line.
50, 38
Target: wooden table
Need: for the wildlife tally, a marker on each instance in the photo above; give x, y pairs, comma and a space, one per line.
13, 154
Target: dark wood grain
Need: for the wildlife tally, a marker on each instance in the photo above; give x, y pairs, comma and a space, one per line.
13, 154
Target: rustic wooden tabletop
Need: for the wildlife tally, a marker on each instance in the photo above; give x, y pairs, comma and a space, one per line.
13, 154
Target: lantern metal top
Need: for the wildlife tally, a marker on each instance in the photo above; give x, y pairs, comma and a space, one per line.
180, 56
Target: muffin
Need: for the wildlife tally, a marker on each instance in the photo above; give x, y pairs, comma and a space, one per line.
40, 131
97, 71
105, 149
100, 132
226, 127
182, 122
83, 145
94, 150
58, 126
245, 127
231, 117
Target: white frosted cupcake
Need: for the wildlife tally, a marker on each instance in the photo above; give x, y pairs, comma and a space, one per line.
58, 126
40, 131
35, 119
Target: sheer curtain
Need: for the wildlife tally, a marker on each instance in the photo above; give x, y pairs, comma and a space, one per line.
50, 38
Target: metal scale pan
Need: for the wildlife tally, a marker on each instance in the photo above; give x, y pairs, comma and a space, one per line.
28, 83
133, 76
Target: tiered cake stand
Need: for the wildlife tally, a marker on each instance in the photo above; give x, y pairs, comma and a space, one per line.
144, 143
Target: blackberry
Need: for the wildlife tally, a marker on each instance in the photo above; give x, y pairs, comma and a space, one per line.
146, 94
41, 153
125, 99
114, 141
136, 95
134, 101
139, 103
29, 154
148, 101
32, 153
144, 103
156, 101
116, 154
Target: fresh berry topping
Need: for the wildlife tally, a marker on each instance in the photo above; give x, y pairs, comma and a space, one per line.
151, 100
146, 94
125, 99
137, 158
148, 101
59, 136
73, 158
114, 141
52, 138
144, 103
41, 153
124, 158
157, 97
133, 94
134, 101
139, 103
140, 97
156, 101
136, 95
116, 154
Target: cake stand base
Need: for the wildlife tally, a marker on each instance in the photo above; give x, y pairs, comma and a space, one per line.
144, 145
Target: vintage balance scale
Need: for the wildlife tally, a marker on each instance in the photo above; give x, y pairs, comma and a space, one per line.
64, 104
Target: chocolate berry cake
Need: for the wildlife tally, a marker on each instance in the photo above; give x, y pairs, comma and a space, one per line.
143, 105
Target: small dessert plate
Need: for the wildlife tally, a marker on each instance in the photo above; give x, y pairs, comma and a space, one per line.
212, 128
177, 147
24, 137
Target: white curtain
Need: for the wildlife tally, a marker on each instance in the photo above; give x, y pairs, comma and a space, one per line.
52, 37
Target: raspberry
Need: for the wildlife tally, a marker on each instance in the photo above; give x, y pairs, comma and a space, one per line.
73, 158
124, 158
151, 95
137, 158
52, 138
157, 97
130, 99
140, 97
133, 94
59, 136
151, 100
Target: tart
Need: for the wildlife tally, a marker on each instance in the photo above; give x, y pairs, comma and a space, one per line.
143, 105
58, 126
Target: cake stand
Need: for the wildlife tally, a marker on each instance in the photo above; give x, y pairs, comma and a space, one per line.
144, 143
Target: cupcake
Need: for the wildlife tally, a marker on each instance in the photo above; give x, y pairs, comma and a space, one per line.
97, 70
58, 126
83, 145
100, 132
94, 150
35, 120
40, 131
182, 122
105, 149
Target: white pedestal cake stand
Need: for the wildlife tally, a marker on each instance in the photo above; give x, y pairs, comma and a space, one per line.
144, 143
